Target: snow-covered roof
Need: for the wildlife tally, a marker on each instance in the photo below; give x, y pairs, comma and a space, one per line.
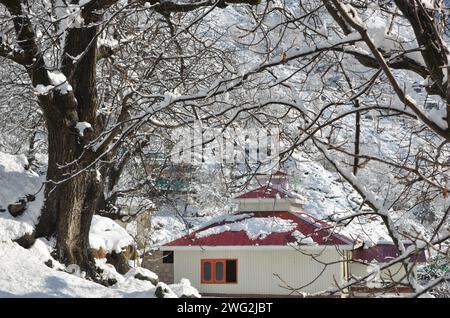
270, 191
279, 173
258, 229
383, 253
283, 227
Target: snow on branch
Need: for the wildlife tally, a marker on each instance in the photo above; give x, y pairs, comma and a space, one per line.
102, 144
172, 6
377, 205
354, 21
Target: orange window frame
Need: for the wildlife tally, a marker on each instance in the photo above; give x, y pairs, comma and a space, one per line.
213, 262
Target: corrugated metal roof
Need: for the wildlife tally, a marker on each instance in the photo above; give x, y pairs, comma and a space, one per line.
384, 253
307, 225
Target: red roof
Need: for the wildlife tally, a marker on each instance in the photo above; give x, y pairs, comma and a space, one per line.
383, 253
279, 173
264, 192
302, 222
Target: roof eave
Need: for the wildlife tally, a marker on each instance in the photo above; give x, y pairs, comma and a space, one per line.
256, 248
291, 200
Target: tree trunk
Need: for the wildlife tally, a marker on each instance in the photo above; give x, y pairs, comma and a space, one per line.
72, 191
70, 205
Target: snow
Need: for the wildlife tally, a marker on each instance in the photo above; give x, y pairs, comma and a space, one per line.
142, 271
169, 97
111, 43
108, 271
59, 81
41, 250
83, 2
168, 293
108, 235
23, 274
42, 89
255, 228
302, 239
185, 288
330, 198
226, 218
13, 163
377, 26
352, 14
16, 183
82, 126
167, 227
438, 116
428, 4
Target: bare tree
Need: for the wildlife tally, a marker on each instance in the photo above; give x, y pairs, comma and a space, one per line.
111, 76
56, 43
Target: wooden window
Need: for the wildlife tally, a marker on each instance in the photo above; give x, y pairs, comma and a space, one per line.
219, 271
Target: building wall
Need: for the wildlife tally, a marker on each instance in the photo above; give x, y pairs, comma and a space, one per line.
256, 271
382, 285
394, 273
154, 262
279, 205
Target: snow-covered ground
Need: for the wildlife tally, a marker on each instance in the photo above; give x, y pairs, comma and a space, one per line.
16, 183
23, 272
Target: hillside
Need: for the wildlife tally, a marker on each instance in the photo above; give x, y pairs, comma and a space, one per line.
34, 272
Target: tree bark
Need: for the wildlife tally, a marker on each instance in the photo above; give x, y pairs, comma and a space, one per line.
72, 191
69, 206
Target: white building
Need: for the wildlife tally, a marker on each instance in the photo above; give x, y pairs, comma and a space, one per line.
270, 247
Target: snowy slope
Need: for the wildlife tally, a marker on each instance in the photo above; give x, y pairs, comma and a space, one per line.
16, 183
329, 196
23, 274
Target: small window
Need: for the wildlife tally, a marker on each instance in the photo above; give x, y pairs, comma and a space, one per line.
219, 271
168, 257
231, 271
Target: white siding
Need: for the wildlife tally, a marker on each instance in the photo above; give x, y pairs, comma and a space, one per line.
394, 273
256, 271
278, 205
